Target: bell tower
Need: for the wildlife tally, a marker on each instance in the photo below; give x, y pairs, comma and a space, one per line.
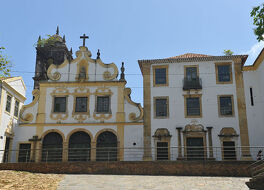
49, 51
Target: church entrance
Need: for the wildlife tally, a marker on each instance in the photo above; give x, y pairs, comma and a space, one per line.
52, 148
79, 147
195, 148
106, 147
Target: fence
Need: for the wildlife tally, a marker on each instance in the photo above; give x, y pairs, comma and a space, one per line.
162, 153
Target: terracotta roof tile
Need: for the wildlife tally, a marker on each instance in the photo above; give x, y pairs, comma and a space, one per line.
189, 55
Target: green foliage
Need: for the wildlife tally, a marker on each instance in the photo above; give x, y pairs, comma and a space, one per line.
228, 52
4, 65
50, 40
258, 20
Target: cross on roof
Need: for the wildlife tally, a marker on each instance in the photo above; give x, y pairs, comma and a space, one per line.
84, 37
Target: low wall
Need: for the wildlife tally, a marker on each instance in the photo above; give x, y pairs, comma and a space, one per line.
190, 168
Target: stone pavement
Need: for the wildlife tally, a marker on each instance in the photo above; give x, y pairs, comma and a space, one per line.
136, 182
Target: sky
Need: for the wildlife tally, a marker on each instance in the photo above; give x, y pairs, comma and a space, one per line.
127, 31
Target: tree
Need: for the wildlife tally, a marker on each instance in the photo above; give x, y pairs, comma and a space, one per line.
4, 65
258, 20
228, 52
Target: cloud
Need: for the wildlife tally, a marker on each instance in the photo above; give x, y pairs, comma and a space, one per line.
253, 52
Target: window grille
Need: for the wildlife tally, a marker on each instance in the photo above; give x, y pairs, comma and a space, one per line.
103, 104
60, 104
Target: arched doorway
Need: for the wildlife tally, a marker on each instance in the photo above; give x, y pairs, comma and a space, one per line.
106, 147
79, 147
52, 147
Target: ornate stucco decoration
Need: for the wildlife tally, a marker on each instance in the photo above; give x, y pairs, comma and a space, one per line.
82, 71
132, 116
53, 73
102, 91
9, 130
194, 128
59, 92
228, 132
81, 92
28, 117
107, 75
162, 132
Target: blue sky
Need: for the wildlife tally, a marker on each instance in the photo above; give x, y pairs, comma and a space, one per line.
128, 30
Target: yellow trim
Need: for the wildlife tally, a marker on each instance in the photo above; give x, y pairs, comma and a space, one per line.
154, 103
86, 83
132, 116
29, 116
216, 72
219, 107
187, 66
107, 75
78, 124
78, 130
185, 105
154, 67
241, 107
59, 92
81, 64
56, 75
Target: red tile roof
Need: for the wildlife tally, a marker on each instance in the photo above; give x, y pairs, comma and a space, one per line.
189, 55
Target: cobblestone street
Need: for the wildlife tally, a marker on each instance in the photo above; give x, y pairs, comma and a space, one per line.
127, 182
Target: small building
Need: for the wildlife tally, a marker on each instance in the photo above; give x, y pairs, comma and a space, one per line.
12, 96
195, 108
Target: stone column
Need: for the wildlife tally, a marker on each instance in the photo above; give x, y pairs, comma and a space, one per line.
179, 143
65, 152
210, 142
93, 151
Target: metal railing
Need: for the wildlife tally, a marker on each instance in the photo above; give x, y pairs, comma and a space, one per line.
192, 83
188, 153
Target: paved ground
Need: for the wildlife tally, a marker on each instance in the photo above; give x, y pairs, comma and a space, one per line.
127, 182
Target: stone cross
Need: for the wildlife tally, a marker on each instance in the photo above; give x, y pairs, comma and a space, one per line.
35, 139
84, 37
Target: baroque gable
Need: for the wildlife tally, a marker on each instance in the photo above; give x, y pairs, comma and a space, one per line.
83, 68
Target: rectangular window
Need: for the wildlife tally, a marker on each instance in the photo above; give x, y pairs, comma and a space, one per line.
81, 104
103, 104
223, 73
24, 152
193, 106
191, 73
8, 103
161, 107
162, 151
59, 104
16, 108
160, 75
251, 96
226, 105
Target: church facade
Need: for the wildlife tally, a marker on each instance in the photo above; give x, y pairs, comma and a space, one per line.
81, 111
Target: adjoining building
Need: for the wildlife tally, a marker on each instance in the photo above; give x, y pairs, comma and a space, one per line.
12, 91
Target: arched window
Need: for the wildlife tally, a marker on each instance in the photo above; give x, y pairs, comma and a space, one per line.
106, 147
79, 147
52, 147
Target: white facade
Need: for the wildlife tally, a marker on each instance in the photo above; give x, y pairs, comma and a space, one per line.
13, 87
82, 77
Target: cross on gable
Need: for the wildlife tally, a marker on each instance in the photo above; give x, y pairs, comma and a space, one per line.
35, 139
84, 37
